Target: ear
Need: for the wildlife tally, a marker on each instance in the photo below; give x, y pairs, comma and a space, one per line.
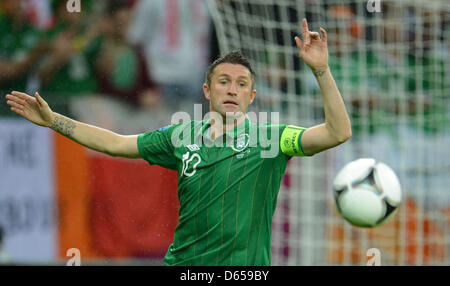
206, 91
252, 96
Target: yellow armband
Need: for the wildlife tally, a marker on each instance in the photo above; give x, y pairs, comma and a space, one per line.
291, 141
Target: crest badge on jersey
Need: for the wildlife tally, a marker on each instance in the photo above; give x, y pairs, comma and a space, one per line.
164, 128
241, 142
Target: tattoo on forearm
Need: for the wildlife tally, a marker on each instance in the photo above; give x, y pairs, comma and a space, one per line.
63, 126
319, 73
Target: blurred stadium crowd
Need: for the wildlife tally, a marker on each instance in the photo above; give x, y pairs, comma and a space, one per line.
392, 68
388, 65
127, 64
122, 64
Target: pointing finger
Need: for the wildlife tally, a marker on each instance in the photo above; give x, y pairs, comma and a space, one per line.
305, 25
305, 32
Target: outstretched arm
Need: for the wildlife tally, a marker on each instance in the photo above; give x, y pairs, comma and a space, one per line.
36, 110
337, 128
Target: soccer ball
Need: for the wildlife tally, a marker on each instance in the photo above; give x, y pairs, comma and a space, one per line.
366, 192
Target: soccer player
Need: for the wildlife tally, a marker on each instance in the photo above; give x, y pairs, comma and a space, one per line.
227, 192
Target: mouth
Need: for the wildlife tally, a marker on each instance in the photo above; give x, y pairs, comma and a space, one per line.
230, 102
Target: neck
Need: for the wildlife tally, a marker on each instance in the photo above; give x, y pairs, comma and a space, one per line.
221, 125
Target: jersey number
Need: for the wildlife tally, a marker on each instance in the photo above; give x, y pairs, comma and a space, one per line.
194, 160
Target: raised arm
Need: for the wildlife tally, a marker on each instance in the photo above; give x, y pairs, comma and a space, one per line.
36, 110
337, 127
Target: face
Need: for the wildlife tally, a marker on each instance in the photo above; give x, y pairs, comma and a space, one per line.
230, 90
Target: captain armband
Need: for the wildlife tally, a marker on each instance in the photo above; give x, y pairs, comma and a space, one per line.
291, 141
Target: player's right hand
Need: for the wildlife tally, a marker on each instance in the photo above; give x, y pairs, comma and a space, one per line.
35, 109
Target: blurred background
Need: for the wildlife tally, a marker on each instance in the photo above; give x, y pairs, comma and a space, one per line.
128, 65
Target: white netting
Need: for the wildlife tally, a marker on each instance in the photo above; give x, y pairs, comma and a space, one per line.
392, 68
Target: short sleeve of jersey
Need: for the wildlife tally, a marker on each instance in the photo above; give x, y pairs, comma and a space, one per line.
156, 147
290, 141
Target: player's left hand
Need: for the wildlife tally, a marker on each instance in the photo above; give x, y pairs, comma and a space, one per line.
313, 49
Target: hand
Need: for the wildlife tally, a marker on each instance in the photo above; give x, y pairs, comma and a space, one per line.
34, 109
313, 49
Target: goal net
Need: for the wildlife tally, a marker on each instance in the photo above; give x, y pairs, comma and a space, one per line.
390, 60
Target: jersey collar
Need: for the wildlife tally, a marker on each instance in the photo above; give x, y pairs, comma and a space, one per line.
232, 133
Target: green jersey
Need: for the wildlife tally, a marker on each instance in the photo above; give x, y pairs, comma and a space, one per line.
227, 188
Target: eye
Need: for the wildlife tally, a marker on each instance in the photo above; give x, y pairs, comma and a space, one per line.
242, 84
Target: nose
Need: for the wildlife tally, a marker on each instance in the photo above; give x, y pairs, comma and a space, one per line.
233, 89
